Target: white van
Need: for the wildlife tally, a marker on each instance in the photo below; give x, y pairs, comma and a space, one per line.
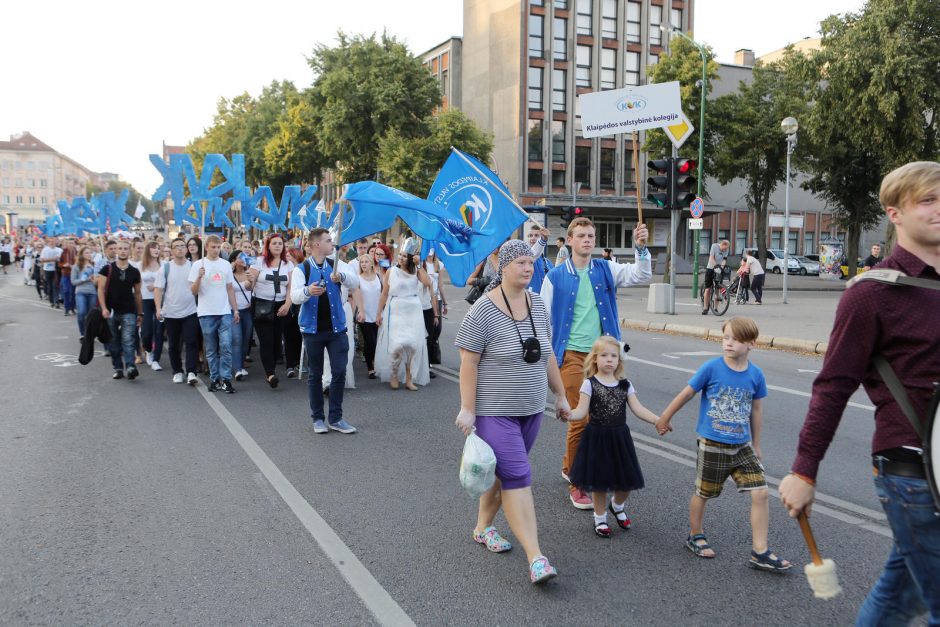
775, 261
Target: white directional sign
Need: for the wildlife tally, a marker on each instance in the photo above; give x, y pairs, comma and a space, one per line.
630, 109
696, 224
777, 221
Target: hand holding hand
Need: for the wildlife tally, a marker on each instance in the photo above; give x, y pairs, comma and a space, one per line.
562, 408
797, 495
465, 421
662, 426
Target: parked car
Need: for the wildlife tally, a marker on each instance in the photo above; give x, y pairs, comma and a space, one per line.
812, 258
775, 261
807, 266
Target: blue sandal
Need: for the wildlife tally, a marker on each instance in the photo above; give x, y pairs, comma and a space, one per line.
768, 561
692, 542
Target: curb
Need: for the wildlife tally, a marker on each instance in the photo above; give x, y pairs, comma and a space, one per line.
764, 341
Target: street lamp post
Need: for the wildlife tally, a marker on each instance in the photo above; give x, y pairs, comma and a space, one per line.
789, 126
701, 143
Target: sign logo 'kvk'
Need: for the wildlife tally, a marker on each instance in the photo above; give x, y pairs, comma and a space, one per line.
475, 205
631, 103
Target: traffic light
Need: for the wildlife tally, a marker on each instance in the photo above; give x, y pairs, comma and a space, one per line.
569, 213
659, 184
685, 182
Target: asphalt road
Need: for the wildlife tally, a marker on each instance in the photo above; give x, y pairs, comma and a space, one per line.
151, 503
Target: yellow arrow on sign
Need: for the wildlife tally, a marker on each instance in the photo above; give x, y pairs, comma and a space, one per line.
678, 133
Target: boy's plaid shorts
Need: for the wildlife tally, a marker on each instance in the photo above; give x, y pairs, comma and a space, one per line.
717, 461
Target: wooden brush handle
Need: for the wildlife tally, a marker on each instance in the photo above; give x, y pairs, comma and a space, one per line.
810, 540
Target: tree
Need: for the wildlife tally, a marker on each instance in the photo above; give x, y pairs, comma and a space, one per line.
748, 141
684, 64
365, 88
876, 102
412, 163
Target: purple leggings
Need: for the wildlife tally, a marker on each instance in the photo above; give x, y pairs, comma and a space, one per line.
511, 438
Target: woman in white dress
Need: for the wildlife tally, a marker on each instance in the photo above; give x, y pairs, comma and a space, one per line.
402, 347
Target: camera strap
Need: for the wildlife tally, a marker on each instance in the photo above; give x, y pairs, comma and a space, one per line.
514, 321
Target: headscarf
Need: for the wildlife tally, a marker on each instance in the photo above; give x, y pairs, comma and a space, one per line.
509, 252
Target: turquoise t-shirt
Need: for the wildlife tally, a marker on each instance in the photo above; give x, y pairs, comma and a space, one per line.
586, 324
725, 412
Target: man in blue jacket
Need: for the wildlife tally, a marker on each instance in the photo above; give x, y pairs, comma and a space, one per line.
315, 286
581, 297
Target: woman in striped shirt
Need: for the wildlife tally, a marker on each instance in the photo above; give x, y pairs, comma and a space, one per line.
505, 346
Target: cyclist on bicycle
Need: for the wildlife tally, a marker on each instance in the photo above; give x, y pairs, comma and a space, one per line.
716, 255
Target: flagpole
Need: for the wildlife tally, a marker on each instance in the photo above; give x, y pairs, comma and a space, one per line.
339, 232
498, 187
636, 168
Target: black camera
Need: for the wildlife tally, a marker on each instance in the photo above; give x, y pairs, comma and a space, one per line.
531, 350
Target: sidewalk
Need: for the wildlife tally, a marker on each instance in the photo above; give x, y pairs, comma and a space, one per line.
803, 324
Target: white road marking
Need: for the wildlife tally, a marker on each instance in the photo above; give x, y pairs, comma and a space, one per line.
811, 371
866, 518
366, 587
776, 388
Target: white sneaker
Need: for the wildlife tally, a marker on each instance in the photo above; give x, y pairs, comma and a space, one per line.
241, 374
178, 377
149, 357
155, 365
191, 378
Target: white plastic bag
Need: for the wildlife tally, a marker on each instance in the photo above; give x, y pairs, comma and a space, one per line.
477, 466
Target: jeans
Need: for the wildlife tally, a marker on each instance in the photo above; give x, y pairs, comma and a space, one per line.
83, 304
241, 339
217, 340
910, 582
337, 346
123, 339
183, 331
68, 292
52, 288
151, 330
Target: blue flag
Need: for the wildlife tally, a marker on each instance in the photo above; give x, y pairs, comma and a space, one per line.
481, 213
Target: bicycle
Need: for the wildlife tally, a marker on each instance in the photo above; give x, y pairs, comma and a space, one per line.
720, 297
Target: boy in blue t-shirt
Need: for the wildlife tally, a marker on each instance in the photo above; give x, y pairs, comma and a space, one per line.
729, 428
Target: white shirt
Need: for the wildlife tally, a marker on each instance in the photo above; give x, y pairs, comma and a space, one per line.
213, 288
754, 267
49, 257
371, 291
264, 286
178, 301
242, 295
148, 281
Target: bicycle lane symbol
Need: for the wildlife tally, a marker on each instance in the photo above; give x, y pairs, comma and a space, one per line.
61, 360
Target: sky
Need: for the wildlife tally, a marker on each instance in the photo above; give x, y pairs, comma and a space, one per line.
107, 81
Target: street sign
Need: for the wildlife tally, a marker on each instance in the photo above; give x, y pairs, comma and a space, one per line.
696, 224
697, 208
678, 133
629, 109
777, 221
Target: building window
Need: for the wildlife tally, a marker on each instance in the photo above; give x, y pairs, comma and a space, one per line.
6, 181
42, 183
629, 173
704, 241
656, 18
809, 243
44, 200
585, 17
30, 182
558, 178
608, 234
792, 238
19, 200
740, 241
32, 200
559, 91
558, 141
561, 4
775, 238
582, 165
536, 36
537, 3
30, 165
560, 39
19, 183
608, 68
535, 177
633, 22
535, 140
632, 75
583, 76
535, 88
6, 199
609, 19
675, 18
577, 124
608, 158
654, 59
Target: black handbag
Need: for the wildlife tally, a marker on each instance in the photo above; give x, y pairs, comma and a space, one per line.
263, 309
477, 290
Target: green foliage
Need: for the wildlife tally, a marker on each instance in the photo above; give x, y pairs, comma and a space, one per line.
411, 163
684, 64
876, 100
365, 88
749, 143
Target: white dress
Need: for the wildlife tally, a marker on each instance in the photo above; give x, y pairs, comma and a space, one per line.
402, 338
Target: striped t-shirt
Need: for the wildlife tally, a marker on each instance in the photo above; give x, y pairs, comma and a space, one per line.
506, 384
